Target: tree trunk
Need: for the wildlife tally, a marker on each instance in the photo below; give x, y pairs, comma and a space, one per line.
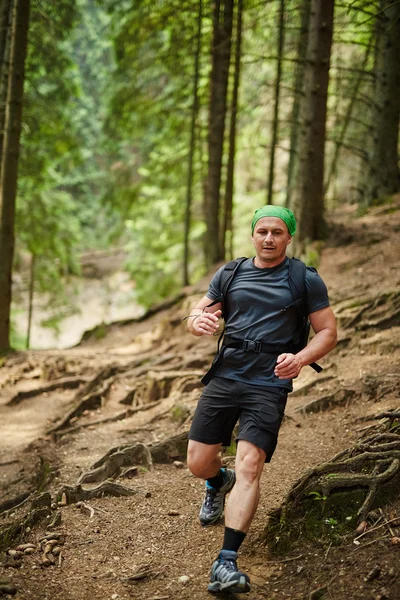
221, 48
275, 122
308, 193
383, 174
5, 40
229, 188
298, 94
192, 147
30, 301
9, 167
346, 121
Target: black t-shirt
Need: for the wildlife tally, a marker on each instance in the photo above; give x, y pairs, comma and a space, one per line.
252, 309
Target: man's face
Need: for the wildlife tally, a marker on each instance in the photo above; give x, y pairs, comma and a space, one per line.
270, 239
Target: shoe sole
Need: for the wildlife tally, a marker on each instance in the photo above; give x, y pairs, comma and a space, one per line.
233, 587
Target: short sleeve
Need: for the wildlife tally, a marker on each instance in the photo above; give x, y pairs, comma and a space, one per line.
214, 289
317, 293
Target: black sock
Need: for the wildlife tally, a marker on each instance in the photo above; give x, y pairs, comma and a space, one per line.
233, 539
217, 481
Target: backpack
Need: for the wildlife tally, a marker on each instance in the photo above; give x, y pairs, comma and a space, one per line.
297, 284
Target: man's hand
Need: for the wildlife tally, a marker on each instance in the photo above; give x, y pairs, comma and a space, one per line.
207, 323
288, 366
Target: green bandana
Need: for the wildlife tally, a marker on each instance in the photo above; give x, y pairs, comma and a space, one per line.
275, 211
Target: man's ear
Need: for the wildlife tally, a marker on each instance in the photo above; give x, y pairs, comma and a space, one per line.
289, 241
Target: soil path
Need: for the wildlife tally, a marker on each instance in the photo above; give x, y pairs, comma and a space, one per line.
140, 383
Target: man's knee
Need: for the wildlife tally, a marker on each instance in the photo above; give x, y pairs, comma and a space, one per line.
249, 464
200, 457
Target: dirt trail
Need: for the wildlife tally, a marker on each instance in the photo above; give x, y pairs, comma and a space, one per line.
148, 381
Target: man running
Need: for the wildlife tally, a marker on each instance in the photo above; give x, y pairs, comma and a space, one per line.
251, 385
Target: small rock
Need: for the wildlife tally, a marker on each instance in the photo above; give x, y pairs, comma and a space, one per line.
173, 513
29, 551
178, 464
183, 579
23, 547
395, 541
373, 574
114, 596
362, 527
15, 554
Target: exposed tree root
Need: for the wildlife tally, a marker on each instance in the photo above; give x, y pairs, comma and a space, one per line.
65, 384
15, 502
113, 463
77, 493
174, 448
118, 417
343, 490
89, 401
309, 387
340, 397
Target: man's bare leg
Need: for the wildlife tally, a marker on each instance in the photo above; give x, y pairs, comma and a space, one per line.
203, 459
243, 500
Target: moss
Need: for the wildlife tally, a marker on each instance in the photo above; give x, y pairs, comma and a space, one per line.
320, 519
44, 475
179, 413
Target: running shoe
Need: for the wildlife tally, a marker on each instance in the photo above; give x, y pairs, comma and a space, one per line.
225, 576
214, 500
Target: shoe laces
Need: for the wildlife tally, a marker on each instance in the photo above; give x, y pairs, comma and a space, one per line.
210, 496
229, 563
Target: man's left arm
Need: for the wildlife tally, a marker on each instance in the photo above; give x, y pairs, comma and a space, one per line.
323, 322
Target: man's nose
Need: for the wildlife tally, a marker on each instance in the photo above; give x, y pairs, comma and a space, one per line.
268, 235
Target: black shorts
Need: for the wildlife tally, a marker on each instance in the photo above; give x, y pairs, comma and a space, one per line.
223, 402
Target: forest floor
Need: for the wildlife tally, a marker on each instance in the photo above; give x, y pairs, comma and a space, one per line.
63, 411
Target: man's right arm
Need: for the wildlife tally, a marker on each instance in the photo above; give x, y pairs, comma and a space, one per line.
202, 320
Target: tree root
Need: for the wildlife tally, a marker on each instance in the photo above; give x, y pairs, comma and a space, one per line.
340, 397
174, 448
112, 464
344, 489
77, 493
88, 401
65, 384
118, 417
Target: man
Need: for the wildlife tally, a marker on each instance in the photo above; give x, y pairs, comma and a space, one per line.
251, 386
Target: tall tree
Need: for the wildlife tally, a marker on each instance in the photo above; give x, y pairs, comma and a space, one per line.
383, 177
9, 167
5, 39
195, 109
227, 229
308, 192
298, 93
221, 50
275, 120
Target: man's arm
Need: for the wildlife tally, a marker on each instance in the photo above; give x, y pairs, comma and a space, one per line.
323, 323
202, 320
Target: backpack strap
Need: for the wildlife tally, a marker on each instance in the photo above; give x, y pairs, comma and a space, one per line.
297, 283
226, 279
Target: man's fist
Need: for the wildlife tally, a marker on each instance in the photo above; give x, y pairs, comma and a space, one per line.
207, 323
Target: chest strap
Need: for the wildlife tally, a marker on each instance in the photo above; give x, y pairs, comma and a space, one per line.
249, 346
